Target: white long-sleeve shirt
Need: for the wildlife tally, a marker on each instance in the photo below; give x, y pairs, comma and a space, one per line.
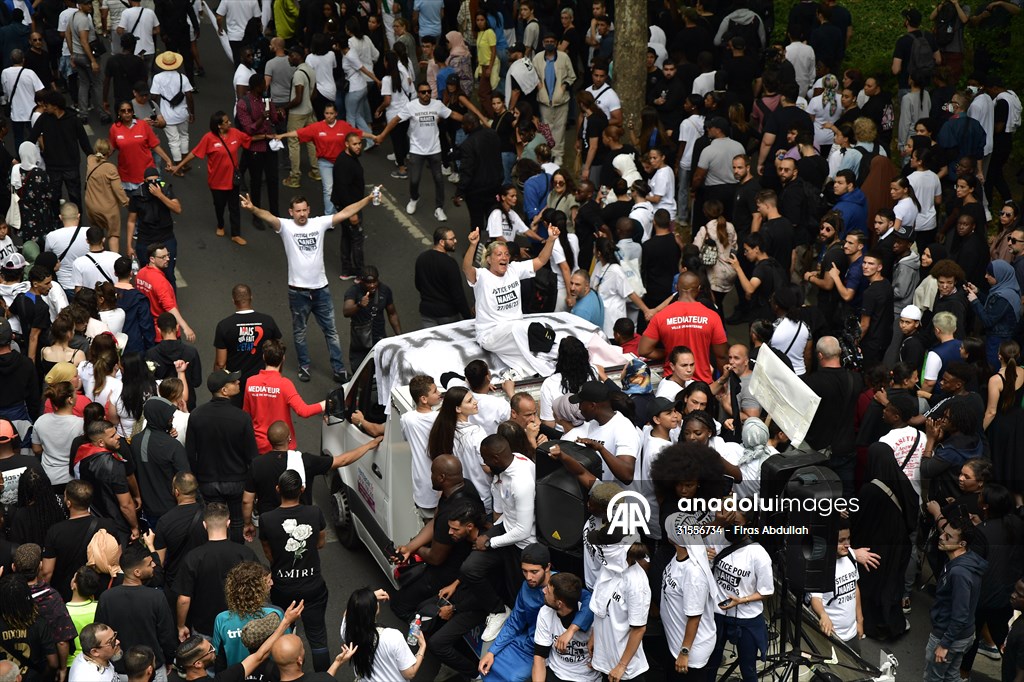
513, 496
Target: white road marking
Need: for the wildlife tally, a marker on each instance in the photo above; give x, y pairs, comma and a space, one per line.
415, 231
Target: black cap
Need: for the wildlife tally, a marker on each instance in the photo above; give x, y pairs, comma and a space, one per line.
592, 392
518, 47
540, 337
913, 16
221, 378
535, 554
151, 173
658, 406
6, 333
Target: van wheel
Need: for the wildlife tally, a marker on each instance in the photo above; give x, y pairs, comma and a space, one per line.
342, 519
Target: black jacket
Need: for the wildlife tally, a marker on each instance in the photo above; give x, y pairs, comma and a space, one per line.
220, 442
19, 383
481, 169
166, 352
349, 184
158, 457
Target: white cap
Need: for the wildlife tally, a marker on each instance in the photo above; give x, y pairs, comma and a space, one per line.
911, 312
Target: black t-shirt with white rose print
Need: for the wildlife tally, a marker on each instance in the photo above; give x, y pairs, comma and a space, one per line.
292, 533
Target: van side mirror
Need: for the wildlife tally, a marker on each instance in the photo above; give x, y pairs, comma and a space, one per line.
335, 408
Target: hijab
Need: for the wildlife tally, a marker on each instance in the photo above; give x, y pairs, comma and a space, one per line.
883, 467
31, 159
939, 252
456, 44
755, 441
829, 95
1006, 286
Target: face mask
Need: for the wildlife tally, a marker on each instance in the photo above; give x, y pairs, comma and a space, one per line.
550, 48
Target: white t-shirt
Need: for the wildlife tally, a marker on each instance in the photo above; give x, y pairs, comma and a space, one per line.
505, 225
63, 21
823, 114
399, 94
663, 184
57, 241
392, 657
467, 448
704, 83
424, 136
237, 14
550, 391
983, 110
86, 671
670, 389
23, 101
926, 186
643, 213
620, 438
168, 84
627, 607
906, 212
932, 366
141, 27
652, 447
55, 433
351, 65
792, 335
606, 98
499, 299
558, 257
741, 574
113, 319
901, 441
841, 603
242, 75
574, 663
492, 409
416, 428
684, 593
323, 66
92, 267
513, 497
614, 290
689, 130
304, 248
597, 556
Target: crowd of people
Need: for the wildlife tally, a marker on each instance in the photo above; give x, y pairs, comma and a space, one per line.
860, 228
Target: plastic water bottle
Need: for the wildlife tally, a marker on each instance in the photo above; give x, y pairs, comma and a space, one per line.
376, 196
414, 632
135, 266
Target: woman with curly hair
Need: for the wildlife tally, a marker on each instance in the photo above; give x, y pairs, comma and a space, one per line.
572, 369
38, 508
246, 592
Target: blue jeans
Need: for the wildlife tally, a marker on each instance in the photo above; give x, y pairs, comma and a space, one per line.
302, 302
508, 159
357, 111
950, 670
327, 183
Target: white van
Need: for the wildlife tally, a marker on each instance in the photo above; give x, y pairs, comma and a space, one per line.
371, 500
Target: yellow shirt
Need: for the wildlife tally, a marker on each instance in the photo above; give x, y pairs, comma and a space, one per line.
484, 42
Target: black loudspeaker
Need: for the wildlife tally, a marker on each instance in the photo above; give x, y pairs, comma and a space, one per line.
561, 502
810, 545
777, 470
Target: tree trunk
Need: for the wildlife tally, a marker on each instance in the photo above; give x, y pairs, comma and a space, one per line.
631, 57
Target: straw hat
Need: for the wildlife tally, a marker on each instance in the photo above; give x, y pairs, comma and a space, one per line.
169, 61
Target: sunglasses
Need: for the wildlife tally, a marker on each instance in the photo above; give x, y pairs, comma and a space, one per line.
424, 92
1014, 241
1008, 214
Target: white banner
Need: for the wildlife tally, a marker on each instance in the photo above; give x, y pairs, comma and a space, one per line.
786, 398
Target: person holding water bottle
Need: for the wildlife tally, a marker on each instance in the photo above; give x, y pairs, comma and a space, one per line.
380, 653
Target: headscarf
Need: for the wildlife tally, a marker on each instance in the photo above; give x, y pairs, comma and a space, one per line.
1006, 286
882, 466
31, 159
636, 378
755, 441
939, 252
104, 553
829, 96
456, 44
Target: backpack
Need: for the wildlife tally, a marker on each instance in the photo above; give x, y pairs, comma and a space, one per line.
945, 24
748, 32
921, 64
812, 208
866, 157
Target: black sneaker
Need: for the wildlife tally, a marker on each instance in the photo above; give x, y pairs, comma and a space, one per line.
105, 118
340, 377
304, 374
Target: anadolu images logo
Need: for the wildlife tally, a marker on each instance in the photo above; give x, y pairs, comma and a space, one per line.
629, 512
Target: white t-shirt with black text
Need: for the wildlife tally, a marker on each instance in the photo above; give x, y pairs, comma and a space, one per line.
841, 603
499, 299
684, 593
901, 441
424, 135
304, 247
627, 607
620, 438
741, 574
574, 662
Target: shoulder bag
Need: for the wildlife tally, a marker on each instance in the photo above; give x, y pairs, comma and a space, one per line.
237, 177
9, 101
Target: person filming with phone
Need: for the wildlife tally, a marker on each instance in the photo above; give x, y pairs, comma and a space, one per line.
151, 211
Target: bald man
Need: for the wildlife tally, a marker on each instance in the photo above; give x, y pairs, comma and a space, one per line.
739, 401
586, 302
289, 654
433, 542
687, 323
9, 671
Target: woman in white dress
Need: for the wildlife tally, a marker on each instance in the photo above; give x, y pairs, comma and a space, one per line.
609, 279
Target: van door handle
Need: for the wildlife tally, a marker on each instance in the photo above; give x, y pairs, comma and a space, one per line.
376, 470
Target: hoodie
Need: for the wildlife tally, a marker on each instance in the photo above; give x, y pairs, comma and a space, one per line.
854, 208
905, 278
138, 323
164, 355
9, 292
956, 598
158, 457
740, 16
19, 384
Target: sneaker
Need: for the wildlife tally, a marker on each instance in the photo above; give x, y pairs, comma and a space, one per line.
292, 181
341, 377
304, 374
454, 178
314, 175
392, 157
493, 625
989, 651
906, 605
410, 208
446, 170
220, 231
439, 215
399, 175
240, 241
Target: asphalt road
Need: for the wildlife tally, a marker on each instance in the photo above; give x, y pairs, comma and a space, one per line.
209, 266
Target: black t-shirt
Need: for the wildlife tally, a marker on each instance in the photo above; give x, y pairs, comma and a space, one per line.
877, 303
11, 469
904, 49
33, 313
178, 532
784, 119
828, 300
448, 571
292, 533
241, 335
268, 467
737, 75
201, 577
832, 424
781, 238
107, 475
27, 647
659, 263
744, 207
66, 542
124, 70
593, 126
375, 312
766, 271
155, 223
879, 109
349, 183
813, 170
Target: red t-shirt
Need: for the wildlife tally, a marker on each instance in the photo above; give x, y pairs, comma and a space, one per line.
134, 147
152, 282
270, 397
690, 324
219, 166
329, 141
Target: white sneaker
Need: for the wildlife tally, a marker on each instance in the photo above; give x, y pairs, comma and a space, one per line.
454, 178
410, 208
493, 625
392, 157
446, 170
439, 215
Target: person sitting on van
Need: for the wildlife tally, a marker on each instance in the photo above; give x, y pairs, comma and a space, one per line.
492, 408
